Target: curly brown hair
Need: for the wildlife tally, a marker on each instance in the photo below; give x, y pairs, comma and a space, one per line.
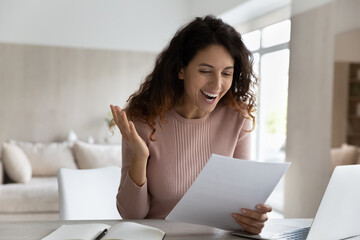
162, 89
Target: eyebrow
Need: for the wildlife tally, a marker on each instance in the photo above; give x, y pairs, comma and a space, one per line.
210, 66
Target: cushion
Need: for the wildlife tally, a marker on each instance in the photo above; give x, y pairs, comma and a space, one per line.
96, 155
47, 158
345, 155
16, 163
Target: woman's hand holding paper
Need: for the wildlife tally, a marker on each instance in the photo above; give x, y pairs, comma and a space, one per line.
253, 221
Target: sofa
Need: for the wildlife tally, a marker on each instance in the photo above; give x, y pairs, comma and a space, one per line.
28, 184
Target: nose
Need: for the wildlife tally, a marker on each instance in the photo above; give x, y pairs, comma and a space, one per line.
216, 81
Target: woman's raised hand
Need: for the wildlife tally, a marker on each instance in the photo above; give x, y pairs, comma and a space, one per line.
140, 151
129, 133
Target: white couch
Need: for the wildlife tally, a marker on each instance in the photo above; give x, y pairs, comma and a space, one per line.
28, 185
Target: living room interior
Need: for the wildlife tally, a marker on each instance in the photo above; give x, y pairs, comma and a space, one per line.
62, 64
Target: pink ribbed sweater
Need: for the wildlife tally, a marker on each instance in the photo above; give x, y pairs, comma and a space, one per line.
181, 150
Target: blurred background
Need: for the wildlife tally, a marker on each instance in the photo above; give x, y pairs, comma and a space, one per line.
63, 62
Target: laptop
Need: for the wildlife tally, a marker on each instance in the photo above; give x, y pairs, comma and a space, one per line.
338, 216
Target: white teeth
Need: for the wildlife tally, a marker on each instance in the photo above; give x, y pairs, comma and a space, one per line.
209, 94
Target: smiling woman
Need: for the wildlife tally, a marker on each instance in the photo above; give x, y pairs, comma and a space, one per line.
197, 101
207, 78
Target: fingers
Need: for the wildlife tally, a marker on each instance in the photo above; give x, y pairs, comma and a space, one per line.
249, 224
262, 208
260, 217
113, 113
252, 229
253, 221
128, 131
259, 213
121, 121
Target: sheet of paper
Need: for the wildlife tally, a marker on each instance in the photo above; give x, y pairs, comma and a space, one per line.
225, 185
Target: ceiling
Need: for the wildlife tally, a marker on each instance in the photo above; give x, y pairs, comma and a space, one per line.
134, 25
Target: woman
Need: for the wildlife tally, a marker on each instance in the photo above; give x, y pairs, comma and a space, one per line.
197, 101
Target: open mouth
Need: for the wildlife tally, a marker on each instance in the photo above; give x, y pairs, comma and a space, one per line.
209, 96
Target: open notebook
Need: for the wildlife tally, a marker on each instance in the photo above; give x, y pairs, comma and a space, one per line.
122, 230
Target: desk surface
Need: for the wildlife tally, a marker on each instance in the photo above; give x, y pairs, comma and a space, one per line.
174, 230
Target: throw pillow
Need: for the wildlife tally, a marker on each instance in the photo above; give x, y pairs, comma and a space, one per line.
96, 155
16, 163
47, 158
345, 155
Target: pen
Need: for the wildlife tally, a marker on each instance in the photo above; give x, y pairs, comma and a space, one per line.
103, 233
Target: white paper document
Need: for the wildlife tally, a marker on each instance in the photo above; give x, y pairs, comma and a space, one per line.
225, 185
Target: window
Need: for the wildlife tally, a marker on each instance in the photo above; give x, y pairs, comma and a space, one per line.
252, 40
276, 34
270, 47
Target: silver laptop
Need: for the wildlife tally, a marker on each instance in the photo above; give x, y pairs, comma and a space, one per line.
338, 216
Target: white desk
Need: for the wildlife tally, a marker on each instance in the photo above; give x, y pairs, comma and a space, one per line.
174, 230
39, 229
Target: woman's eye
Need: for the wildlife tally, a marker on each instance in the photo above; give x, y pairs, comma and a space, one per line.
226, 74
205, 71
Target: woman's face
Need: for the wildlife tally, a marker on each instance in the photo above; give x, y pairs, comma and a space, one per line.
207, 78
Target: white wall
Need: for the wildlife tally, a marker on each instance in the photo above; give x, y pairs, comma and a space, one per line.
251, 10
140, 25
109, 24
63, 62
261, 22
203, 7
47, 91
347, 47
299, 6
309, 126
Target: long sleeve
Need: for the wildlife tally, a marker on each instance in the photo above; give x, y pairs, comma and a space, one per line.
181, 149
243, 145
132, 200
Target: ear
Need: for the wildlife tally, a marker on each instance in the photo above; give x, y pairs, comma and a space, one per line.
181, 74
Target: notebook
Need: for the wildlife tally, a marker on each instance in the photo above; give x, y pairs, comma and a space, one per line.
121, 230
338, 216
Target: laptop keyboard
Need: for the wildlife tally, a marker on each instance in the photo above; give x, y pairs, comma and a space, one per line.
299, 234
